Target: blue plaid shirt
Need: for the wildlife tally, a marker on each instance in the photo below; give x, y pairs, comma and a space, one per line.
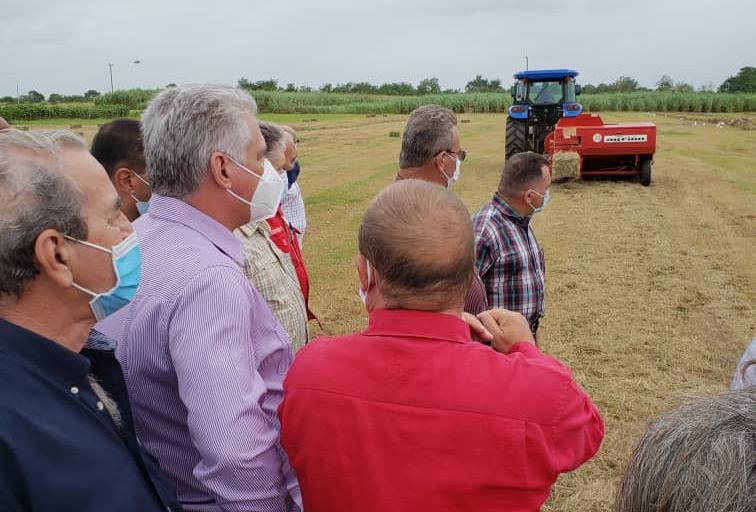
509, 261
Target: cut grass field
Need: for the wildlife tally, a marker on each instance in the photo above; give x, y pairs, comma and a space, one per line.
651, 291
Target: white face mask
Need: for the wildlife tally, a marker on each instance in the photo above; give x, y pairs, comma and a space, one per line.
267, 196
450, 180
363, 293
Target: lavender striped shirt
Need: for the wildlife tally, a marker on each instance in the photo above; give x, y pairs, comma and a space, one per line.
204, 359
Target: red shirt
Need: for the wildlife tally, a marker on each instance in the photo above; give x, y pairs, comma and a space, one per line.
281, 235
411, 415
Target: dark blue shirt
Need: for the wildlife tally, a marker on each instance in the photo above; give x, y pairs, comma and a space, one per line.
59, 446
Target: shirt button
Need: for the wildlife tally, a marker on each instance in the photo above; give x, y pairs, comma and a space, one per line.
100, 406
74, 390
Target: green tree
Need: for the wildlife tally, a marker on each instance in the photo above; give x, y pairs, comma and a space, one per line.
683, 87
744, 81
665, 83
91, 93
428, 86
55, 98
625, 84
33, 97
290, 87
7, 99
326, 88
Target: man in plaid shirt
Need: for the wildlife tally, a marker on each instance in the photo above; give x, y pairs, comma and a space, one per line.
508, 257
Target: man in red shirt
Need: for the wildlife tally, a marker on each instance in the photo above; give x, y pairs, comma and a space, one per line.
412, 414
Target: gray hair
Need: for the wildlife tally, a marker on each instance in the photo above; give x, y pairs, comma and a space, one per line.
274, 137
184, 125
428, 132
35, 195
696, 458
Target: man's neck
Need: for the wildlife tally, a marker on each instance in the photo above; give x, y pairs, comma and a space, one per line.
214, 207
520, 207
427, 173
49, 319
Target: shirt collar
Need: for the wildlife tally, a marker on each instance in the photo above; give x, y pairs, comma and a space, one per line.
250, 229
49, 358
406, 323
176, 210
503, 207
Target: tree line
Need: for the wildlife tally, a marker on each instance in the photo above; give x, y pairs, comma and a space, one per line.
742, 82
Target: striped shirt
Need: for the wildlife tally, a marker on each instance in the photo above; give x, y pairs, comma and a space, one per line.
509, 261
204, 360
294, 211
272, 274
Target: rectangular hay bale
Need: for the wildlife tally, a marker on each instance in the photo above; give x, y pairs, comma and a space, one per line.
565, 165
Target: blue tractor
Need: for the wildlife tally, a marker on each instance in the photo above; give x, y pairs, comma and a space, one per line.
539, 100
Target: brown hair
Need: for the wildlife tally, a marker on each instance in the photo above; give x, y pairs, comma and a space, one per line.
520, 172
419, 238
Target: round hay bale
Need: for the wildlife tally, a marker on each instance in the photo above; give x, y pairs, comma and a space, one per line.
394, 135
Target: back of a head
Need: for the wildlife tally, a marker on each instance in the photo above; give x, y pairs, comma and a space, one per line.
35, 195
418, 236
184, 125
429, 131
520, 172
699, 457
119, 144
274, 137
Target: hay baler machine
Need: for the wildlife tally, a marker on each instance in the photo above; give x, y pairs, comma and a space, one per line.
545, 118
585, 146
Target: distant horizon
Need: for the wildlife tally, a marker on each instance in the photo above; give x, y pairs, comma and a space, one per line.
282, 84
66, 48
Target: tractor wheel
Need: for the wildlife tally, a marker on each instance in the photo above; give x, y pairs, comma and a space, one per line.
517, 137
645, 172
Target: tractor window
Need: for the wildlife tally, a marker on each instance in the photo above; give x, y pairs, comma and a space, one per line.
545, 93
569, 91
520, 91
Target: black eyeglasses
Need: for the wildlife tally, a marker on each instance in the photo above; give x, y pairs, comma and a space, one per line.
461, 154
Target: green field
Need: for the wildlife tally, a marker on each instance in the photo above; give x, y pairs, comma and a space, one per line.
121, 103
651, 291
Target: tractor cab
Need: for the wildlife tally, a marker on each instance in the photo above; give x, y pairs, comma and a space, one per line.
540, 99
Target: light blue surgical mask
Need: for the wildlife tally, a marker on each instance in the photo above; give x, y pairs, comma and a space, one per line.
127, 265
141, 206
545, 197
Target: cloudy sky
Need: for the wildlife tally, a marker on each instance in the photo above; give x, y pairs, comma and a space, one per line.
65, 47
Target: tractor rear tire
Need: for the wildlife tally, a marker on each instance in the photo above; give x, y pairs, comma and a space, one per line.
645, 172
517, 137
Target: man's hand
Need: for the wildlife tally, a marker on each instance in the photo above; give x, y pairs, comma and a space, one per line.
506, 328
477, 330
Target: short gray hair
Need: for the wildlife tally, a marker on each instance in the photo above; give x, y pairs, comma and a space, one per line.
428, 132
274, 137
698, 457
35, 195
184, 125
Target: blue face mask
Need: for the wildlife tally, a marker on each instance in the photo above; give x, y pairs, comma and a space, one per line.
127, 265
141, 206
293, 174
545, 201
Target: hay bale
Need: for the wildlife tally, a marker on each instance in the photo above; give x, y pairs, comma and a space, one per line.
464, 121
370, 115
565, 165
394, 135
75, 126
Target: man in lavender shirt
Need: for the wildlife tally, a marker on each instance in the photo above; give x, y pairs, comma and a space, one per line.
203, 356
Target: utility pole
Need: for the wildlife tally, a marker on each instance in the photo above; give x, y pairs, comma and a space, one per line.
18, 95
111, 76
526, 63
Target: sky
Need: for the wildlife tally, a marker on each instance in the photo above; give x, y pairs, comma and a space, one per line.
65, 47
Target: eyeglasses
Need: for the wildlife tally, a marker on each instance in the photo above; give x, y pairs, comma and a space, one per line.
461, 154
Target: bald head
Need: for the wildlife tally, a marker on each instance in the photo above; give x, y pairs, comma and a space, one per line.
419, 238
